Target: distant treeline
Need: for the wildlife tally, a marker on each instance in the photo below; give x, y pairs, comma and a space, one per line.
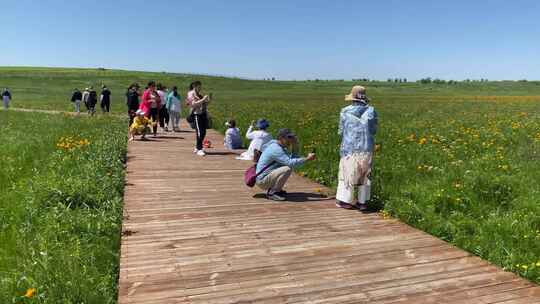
427, 80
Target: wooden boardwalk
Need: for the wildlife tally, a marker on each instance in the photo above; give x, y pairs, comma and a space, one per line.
193, 233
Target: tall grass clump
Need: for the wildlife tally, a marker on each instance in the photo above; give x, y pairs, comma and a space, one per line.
61, 189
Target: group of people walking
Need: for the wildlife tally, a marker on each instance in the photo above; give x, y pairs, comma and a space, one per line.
274, 158
89, 98
155, 106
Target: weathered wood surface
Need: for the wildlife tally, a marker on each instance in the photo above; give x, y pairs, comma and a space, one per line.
193, 233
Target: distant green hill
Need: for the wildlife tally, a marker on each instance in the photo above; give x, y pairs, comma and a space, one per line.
50, 88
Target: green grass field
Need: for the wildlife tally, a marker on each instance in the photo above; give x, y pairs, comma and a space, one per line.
458, 161
61, 188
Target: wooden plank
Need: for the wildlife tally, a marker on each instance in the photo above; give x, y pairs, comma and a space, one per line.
193, 233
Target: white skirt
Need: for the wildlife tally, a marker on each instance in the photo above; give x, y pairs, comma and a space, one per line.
354, 169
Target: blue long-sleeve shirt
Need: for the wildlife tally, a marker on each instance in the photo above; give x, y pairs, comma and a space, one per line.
357, 127
173, 103
274, 153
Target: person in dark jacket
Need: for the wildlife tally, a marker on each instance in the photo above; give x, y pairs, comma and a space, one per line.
105, 99
6, 98
132, 101
76, 99
92, 101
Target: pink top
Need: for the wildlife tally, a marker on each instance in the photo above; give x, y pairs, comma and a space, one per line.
150, 99
198, 105
190, 97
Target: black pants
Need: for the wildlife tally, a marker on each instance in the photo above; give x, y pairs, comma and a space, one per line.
92, 107
105, 105
163, 117
131, 115
201, 123
154, 115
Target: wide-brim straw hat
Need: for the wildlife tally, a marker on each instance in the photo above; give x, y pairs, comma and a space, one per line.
358, 93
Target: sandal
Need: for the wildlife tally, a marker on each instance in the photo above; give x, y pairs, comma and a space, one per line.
361, 207
343, 205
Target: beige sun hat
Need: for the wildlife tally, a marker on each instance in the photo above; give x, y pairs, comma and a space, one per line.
357, 94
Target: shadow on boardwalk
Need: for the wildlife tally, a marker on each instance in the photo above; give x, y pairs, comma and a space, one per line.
300, 197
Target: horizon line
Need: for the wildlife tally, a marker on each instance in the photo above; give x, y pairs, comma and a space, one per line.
407, 80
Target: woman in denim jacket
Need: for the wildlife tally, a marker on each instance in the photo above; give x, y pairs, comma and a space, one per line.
357, 127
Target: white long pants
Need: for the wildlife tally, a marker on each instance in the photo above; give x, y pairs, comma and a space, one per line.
346, 193
174, 121
6, 102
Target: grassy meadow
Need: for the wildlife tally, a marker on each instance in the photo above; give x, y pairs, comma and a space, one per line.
61, 189
459, 161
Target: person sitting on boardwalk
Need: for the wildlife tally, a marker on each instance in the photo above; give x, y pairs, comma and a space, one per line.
276, 163
140, 126
6, 97
233, 140
258, 138
357, 127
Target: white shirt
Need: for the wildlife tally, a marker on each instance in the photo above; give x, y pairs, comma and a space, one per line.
162, 95
258, 139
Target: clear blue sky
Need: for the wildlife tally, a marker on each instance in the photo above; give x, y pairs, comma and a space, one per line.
287, 39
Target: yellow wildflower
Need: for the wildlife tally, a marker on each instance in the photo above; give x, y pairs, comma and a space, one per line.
30, 292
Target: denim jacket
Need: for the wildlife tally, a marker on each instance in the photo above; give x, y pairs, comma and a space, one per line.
274, 153
357, 127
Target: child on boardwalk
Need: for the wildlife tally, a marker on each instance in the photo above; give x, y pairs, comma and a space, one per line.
232, 136
140, 126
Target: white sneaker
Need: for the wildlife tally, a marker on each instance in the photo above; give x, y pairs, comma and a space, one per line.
195, 150
201, 153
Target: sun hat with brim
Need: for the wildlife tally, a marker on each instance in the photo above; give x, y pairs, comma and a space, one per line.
262, 124
140, 112
358, 93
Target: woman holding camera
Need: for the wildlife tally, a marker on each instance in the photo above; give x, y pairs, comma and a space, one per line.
199, 114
